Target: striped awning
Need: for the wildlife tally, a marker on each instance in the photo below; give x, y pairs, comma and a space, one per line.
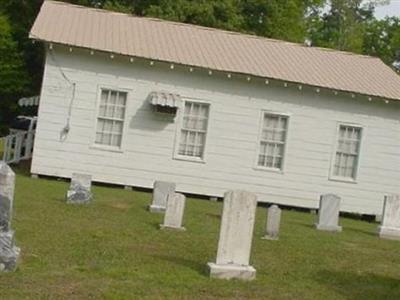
164, 99
31, 101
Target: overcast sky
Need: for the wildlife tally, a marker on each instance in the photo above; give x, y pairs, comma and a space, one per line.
393, 9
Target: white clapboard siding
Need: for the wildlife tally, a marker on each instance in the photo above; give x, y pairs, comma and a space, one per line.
147, 150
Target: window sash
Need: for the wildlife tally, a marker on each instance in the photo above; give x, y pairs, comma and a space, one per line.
193, 131
111, 116
272, 141
347, 152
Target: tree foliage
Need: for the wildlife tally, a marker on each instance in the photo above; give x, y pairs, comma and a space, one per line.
13, 78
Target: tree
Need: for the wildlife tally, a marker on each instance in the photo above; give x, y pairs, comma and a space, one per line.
13, 78
223, 14
382, 39
278, 19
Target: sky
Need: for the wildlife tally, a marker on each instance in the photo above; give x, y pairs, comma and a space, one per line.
393, 9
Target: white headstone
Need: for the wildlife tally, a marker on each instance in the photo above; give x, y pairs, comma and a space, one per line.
173, 218
328, 213
162, 190
390, 228
9, 253
236, 234
7, 182
273, 223
80, 189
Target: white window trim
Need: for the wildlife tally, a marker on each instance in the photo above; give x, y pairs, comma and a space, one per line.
333, 177
178, 132
93, 145
285, 150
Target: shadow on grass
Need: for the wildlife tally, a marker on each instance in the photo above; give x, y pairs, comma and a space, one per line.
213, 215
307, 225
360, 286
356, 230
191, 264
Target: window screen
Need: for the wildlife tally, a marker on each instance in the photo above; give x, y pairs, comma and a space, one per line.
347, 152
273, 139
110, 120
194, 129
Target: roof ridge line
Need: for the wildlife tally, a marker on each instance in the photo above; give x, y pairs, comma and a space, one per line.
246, 34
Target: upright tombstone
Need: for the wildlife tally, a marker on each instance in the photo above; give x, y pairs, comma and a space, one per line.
162, 190
390, 227
9, 253
328, 213
173, 217
273, 223
236, 234
80, 189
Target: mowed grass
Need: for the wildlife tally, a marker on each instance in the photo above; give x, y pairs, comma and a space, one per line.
113, 249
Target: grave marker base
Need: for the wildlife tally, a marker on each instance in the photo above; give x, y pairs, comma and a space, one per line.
9, 253
163, 227
328, 228
156, 209
232, 272
389, 233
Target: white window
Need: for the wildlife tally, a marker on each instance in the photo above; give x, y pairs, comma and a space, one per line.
348, 150
110, 121
194, 130
272, 141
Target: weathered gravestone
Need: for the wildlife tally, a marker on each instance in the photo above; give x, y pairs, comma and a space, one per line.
174, 213
80, 189
328, 213
390, 227
235, 237
273, 223
9, 253
162, 190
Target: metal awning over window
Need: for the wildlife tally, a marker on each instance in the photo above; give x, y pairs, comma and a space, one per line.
166, 99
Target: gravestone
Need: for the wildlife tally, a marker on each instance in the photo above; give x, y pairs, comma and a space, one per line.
328, 213
80, 189
273, 223
162, 190
390, 227
236, 234
174, 213
9, 253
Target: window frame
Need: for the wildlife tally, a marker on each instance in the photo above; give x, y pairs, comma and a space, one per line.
178, 133
258, 143
110, 148
334, 177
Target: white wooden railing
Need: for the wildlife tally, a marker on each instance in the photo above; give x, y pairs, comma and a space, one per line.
18, 146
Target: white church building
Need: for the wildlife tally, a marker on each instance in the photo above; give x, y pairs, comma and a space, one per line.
131, 100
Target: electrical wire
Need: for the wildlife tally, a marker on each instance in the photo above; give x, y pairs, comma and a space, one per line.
73, 85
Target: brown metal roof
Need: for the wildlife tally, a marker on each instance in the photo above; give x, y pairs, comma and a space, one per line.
197, 46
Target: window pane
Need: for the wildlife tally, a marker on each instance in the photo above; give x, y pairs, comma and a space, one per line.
121, 100
109, 111
119, 112
104, 96
116, 140
117, 127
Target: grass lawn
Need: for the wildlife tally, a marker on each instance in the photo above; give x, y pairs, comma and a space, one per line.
113, 249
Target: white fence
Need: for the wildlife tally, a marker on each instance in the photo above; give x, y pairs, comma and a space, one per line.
18, 146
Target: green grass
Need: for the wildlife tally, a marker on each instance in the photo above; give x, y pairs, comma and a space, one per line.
113, 249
